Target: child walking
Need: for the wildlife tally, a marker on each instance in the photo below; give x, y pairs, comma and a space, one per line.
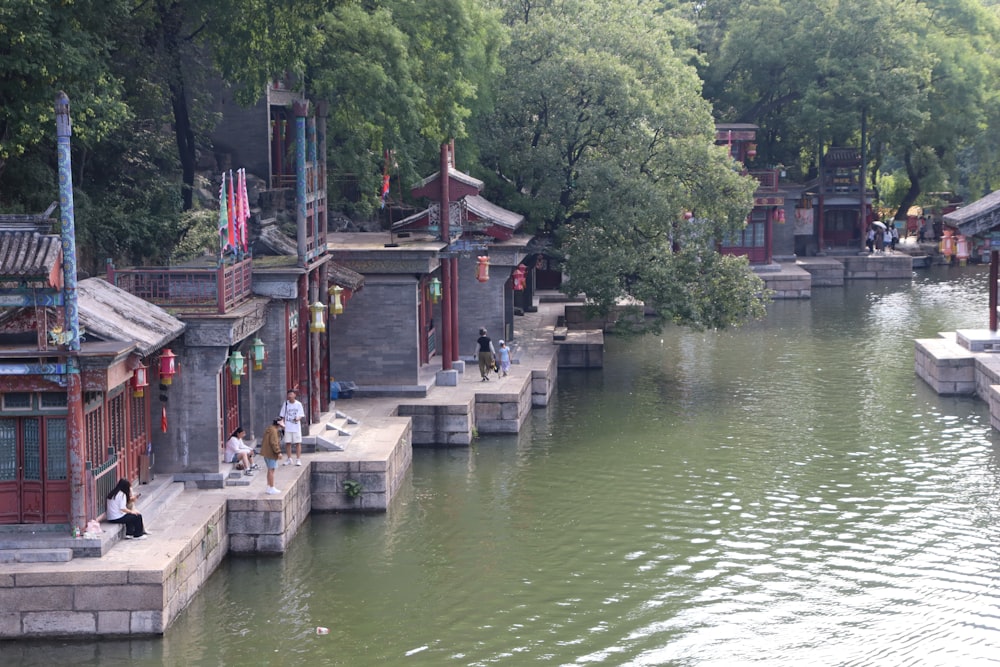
504, 354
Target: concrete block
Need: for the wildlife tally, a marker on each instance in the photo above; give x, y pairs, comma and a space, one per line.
6, 580
10, 624
242, 544
509, 411
38, 598
113, 622
487, 412
73, 578
447, 378
274, 544
109, 598
146, 576
147, 622
56, 623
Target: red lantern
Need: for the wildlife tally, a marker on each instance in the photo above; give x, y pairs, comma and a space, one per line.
140, 380
168, 366
519, 277
483, 269
751, 151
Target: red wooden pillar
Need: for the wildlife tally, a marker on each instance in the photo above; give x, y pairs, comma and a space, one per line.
994, 271
454, 308
448, 308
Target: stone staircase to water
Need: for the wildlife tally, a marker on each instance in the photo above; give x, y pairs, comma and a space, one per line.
52, 543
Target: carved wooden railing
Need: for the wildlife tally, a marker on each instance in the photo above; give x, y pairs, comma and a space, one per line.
187, 289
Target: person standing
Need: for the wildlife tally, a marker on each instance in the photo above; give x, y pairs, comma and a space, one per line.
486, 353
504, 354
270, 449
119, 512
870, 242
886, 240
293, 413
922, 232
895, 237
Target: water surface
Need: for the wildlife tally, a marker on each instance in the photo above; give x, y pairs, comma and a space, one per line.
789, 493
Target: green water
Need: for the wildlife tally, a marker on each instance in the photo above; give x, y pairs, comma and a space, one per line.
786, 494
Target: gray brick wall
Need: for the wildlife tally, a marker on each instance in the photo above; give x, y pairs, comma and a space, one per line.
369, 347
193, 438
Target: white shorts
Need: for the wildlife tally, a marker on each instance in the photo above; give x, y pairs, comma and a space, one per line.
293, 438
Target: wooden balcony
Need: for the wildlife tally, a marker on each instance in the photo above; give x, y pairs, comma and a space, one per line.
767, 179
188, 289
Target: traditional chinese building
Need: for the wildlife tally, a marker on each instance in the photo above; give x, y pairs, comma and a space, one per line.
122, 336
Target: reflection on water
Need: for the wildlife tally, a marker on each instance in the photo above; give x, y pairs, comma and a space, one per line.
785, 494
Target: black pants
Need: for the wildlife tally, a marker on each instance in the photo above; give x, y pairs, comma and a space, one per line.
133, 524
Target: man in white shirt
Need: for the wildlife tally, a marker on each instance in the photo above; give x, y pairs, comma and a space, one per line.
293, 413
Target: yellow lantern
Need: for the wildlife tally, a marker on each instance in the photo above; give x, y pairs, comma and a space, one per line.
336, 303
236, 365
140, 380
317, 323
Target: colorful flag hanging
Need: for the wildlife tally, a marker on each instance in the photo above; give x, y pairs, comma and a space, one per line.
223, 216
245, 210
231, 205
385, 190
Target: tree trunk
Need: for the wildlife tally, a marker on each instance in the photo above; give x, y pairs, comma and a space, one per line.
911, 195
172, 20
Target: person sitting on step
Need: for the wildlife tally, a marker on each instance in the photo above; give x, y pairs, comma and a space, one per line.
237, 450
118, 511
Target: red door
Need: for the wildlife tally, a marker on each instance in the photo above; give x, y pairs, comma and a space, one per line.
33, 480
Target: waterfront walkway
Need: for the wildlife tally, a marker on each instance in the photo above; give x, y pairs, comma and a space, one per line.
49, 586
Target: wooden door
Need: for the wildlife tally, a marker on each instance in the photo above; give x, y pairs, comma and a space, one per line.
10, 487
33, 480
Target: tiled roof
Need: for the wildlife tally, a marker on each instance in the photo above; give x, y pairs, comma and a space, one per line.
112, 313
496, 215
979, 216
28, 254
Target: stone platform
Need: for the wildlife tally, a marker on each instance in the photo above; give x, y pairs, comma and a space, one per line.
963, 363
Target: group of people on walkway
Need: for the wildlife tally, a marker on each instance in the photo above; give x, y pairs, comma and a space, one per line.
491, 360
882, 239
286, 427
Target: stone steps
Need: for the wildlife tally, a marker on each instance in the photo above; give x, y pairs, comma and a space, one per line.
333, 432
36, 555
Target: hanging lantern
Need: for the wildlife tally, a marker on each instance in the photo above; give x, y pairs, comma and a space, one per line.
168, 366
257, 350
688, 215
751, 151
519, 274
435, 290
483, 269
317, 324
140, 380
779, 215
236, 365
336, 303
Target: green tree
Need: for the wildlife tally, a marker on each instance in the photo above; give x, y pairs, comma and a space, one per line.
601, 134
48, 47
403, 77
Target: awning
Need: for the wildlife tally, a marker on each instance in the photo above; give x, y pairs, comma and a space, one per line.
976, 218
345, 277
111, 313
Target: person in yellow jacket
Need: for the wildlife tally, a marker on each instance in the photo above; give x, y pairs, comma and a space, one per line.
270, 449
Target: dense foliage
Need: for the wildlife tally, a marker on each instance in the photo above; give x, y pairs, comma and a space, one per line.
593, 118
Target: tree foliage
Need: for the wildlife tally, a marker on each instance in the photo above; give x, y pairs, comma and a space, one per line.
601, 133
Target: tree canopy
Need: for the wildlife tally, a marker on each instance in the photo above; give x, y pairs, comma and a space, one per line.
594, 119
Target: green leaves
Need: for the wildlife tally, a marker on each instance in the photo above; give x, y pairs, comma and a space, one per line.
601, 133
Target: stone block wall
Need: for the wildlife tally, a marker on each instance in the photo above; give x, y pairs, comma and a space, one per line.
266, 525
366, 347
543, 383
878, 267
503, 412
380, 479
439, 424
78, 600
948, 368
193, 438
